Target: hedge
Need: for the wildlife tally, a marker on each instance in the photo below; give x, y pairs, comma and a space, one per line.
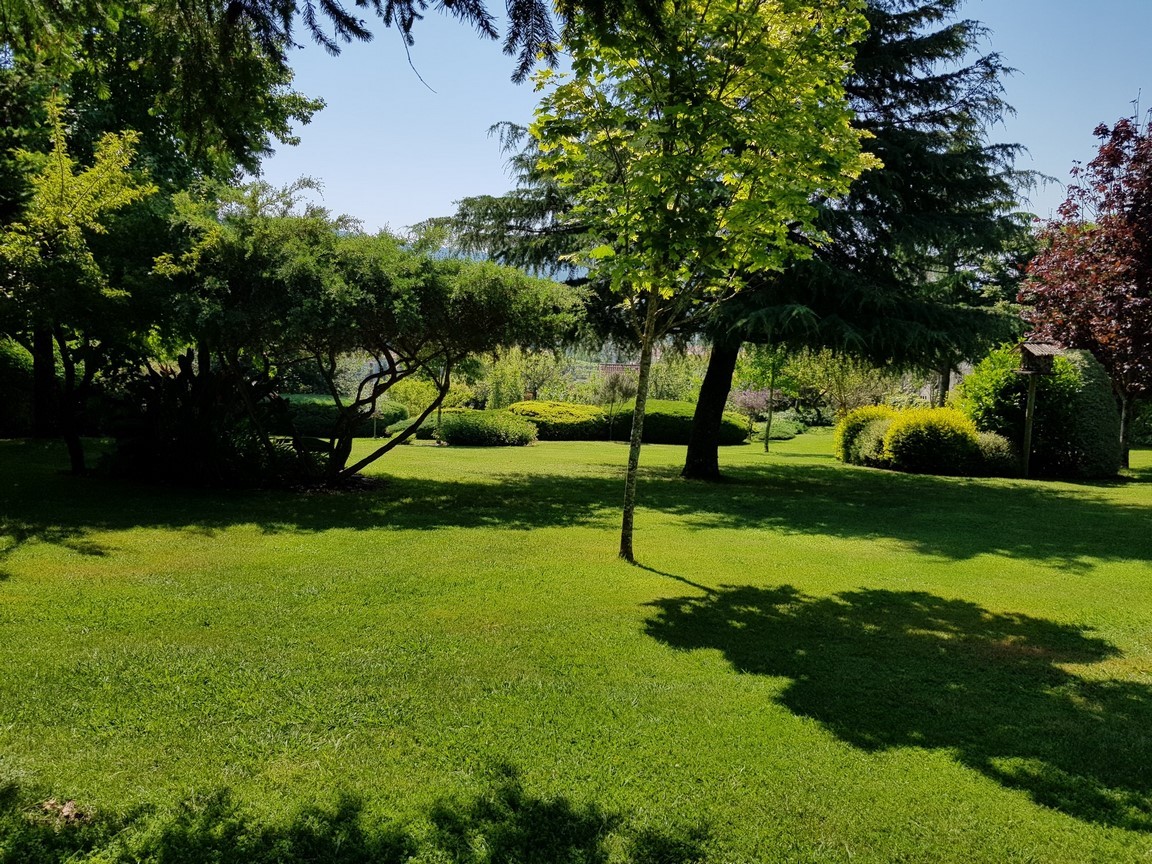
564, 421
665, 422
314, 416
487, 429
15, 390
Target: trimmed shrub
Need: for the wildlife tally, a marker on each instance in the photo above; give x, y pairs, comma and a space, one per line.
564, 421
15, 390
850, 427
784, 429
426, 431
998, 456
1076, 429
932, 441
668, 422
868, 445
664, 422
487, 429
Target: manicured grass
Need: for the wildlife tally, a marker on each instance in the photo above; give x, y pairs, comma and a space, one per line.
815, 663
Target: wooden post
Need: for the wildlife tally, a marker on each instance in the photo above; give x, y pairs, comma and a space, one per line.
1028, 414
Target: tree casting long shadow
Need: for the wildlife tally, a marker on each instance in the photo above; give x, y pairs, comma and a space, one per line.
887, 669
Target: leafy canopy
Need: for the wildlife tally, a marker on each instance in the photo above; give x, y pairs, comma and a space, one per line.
695, 150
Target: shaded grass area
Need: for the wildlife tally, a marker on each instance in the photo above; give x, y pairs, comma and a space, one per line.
886, 669
504, 823
816, 663
1062, 524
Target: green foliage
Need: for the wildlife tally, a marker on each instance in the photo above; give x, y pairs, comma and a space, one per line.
786, 428
205, 429
427, 430
1076, 430
316, 416
15, 389
868, 447
416, 394
487, 429
932, 441
1140, 424
564, 421
998, 456
839, 380
676, 376
851, 425
667, 422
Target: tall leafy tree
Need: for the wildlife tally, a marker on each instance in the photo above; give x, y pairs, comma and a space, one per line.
691, 154
54, 29
921, 254
1090, 286
197, 112
55, 279
272, 285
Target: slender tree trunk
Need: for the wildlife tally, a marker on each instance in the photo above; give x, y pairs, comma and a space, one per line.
628, 520
702, 461
45, 396
771, 407
1125, 416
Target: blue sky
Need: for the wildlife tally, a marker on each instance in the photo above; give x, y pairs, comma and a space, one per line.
391, 152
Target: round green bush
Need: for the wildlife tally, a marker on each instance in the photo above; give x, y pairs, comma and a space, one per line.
851, 425
426, 431
1076, 429
785, 429
564, 421
15, 390
868, 445
998, 456
487, 429
932, 441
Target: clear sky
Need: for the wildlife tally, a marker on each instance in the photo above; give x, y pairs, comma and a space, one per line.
391, 152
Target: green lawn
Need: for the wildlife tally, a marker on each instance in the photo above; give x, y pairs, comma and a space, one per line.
815, 663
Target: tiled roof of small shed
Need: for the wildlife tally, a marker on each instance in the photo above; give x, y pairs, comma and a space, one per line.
1040, 349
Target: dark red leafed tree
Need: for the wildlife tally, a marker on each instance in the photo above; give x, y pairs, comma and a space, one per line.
1091, 285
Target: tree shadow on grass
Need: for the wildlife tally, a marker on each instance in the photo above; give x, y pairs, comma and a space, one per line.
504, 824
889, 669
1060, 525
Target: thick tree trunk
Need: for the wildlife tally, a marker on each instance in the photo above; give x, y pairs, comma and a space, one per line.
628, 520
45, 395
945, 372
71, 410
702, 461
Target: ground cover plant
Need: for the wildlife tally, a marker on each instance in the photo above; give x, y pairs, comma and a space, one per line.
814, 662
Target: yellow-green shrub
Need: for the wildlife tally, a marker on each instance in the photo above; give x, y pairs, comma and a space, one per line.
851, 425
564, 421
487, 429
932, 441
